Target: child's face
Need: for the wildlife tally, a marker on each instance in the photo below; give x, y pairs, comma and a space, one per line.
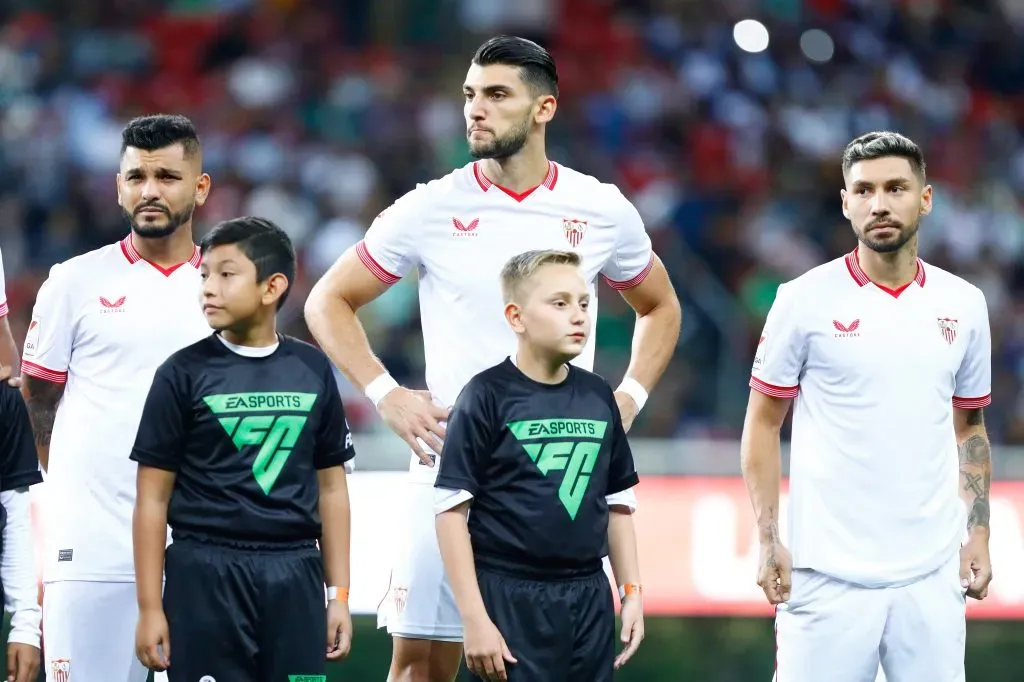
554, 316
230, 291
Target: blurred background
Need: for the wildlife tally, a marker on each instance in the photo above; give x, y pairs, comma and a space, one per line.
723, 121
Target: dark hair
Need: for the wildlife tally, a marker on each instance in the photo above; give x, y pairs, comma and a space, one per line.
158, 131
264, 243
536, 66
878, 145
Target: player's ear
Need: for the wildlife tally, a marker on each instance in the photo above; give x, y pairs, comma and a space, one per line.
546, 107
117, 181
846, 210
203, 184
514, 317
926, 200
274, 288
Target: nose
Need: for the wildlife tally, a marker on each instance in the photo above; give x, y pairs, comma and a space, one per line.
476, 109
579, 315
151, 190
879, 204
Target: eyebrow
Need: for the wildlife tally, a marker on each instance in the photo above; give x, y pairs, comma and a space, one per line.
488, 89
890, 181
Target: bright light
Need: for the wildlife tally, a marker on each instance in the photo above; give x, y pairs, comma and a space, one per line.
817, 45
750, 35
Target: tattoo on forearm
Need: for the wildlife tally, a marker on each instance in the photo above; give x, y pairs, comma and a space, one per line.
41, 401
976, 417
976, 477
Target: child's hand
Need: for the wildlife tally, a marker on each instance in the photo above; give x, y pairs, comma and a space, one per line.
153, 640
486, 651
339, 630
632, 628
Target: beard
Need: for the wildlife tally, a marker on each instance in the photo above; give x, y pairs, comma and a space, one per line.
501, 147
174, 221
906, 233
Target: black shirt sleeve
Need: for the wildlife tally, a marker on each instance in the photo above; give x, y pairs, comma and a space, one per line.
621, 470
166, 418
19, 467
469, 438
333, 437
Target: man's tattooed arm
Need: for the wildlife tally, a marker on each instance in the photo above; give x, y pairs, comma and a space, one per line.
975, 469
41, 398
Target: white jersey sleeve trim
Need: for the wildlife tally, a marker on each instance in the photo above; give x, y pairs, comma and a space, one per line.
446, 499
634, 281
378, 270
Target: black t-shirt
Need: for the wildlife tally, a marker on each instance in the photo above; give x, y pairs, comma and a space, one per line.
246, 436
539, 460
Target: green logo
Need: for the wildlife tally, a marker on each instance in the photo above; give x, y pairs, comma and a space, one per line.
307, 678
567, 445
275, 434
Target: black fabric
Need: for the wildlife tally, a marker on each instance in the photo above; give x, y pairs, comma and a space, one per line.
244, 614
246, 437
540, 460
557, 630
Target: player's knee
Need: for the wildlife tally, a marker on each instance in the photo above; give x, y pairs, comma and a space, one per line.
420, 660
411, 671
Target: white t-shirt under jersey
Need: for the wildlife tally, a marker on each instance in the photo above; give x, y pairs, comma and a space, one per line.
875, 374
103, 322
458, 231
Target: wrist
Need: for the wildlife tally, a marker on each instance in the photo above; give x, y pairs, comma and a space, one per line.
377, 389
335, 593
630, 591
635, 390
979, 533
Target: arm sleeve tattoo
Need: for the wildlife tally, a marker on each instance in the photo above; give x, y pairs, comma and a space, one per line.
976, 474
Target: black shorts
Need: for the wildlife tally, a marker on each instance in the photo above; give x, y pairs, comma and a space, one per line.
557, 630
244, 613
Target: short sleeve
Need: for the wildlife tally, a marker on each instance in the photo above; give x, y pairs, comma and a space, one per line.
468, 440
621, 468
781, 350
333, 437
974, 378
3, 289
50, 334
633, 257
389, 248
166, 419
19, 467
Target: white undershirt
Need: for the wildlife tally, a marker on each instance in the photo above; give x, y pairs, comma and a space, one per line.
18, 569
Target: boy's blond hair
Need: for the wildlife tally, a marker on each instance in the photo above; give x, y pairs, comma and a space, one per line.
520, 269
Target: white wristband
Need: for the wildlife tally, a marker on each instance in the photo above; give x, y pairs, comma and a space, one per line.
332, 593
380, 387
634, 390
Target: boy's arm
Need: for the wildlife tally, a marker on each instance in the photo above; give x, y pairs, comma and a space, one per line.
149, 534
621, 499
457, 555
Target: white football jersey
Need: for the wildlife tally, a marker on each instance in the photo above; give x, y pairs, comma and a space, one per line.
875, 374
457, 232
102, 324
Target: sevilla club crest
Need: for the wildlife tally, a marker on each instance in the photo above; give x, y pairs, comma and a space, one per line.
61, 669
949, 329
574, 231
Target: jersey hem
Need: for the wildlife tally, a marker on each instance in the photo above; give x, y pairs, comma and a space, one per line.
773, 391
45, 373
92, 578
972, 403
378, 270
634, 281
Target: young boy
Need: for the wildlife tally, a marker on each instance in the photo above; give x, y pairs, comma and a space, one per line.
241, 450
538, 448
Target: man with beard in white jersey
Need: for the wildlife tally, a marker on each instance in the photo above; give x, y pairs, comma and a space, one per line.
102, 323
457, 232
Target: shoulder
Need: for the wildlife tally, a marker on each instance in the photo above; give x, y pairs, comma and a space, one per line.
427, 194
820, 283
191, 357
84, 267
592, 383
604, 198
307, 353
950, 285
483, 386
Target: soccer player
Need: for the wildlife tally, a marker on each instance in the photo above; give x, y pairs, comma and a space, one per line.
537, 448
102, 323
241, 448
457, 233
887, 361
18, 576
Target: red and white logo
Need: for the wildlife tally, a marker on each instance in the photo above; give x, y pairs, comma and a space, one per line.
761, 349
949, 328
846, 329
112, 306
465, 230
61, 669
32, 338
574, 231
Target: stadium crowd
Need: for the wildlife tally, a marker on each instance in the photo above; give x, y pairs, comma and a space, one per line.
317, 114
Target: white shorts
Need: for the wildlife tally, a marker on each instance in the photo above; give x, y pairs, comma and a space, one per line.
89, 632
419, 603
836, 631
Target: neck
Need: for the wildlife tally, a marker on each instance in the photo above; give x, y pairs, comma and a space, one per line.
890, 269
541, 367
522, 171
258, 335
166, 251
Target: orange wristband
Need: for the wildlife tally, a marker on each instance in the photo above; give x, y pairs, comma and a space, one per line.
630, 589
337, 593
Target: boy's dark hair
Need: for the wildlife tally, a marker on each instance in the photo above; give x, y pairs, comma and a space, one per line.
536, 66
158, 131
264, 243
879, 145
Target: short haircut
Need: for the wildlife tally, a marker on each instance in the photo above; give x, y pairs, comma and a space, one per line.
536, 65
520, 269
879, 145
264, 243
158, 131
